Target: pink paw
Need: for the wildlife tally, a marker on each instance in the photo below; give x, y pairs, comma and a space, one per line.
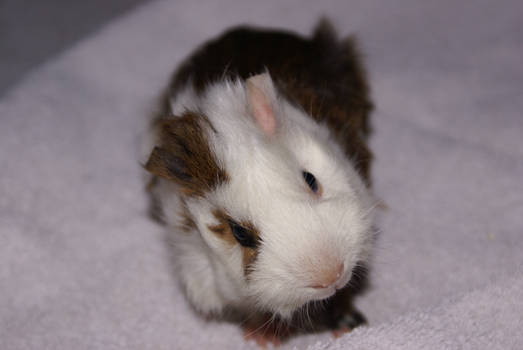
265, 333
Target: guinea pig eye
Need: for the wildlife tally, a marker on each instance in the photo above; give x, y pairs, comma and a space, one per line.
242, 235
311, 181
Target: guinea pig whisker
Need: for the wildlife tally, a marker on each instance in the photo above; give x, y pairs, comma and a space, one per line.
308, 314
299, 317
340, 221
226, 70
247, 318
370, 209
322, 305
263, 327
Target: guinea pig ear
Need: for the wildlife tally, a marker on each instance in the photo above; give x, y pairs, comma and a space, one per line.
184, 156
262, 99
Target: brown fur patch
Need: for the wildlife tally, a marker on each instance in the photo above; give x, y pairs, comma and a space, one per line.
184, 156
223, 231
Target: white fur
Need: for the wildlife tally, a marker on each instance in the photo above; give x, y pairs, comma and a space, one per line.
302, 235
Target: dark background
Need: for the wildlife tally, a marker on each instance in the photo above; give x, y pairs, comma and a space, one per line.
33, 31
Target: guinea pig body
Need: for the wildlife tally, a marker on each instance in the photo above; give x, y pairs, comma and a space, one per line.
260, 169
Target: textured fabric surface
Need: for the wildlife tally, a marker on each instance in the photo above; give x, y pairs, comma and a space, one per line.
83, 267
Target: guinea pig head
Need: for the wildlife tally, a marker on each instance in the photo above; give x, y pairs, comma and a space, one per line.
283, 214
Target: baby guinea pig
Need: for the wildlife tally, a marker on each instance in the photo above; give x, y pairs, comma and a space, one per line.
260, 168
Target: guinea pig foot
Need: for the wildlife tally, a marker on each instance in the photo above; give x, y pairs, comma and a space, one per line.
336, 333
348, 322
269, 332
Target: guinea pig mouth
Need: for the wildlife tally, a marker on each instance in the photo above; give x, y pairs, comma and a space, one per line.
315, 294
342, 282
328, 291
324, 293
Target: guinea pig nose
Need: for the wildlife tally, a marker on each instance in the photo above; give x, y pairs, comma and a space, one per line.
328, 277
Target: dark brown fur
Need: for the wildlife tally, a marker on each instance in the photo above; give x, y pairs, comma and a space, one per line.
183, 155
322, 75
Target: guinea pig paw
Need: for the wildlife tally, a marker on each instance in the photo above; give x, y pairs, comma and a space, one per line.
348, 322
266, 333
336, 333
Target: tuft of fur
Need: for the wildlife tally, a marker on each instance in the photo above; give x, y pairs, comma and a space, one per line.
242, 118
183, 155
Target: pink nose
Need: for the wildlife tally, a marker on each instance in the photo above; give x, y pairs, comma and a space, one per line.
328, 277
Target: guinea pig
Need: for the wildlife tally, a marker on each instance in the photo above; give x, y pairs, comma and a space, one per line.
260, 169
